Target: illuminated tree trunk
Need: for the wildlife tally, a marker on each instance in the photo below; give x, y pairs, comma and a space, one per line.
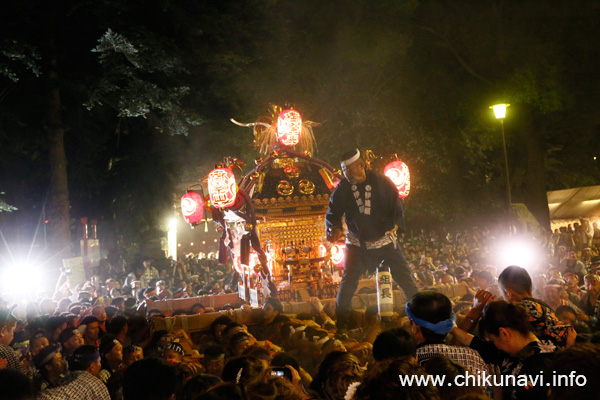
534, 189
58, 201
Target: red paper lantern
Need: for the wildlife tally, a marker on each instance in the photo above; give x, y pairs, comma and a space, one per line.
397, 171
192, 207
222, 187
338, 253
289, 127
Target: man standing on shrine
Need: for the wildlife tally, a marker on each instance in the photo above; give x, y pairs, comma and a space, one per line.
373, 213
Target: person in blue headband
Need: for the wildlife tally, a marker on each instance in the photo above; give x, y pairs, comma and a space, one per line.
432, 319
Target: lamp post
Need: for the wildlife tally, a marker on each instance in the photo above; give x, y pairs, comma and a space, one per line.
500, 113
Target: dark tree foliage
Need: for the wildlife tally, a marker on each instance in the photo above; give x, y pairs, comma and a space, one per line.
138, 94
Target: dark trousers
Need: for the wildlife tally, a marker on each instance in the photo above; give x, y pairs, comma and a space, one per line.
357, 261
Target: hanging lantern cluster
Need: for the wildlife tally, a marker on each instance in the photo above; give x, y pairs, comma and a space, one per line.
398, 172
192, 207
289, 127
222, 187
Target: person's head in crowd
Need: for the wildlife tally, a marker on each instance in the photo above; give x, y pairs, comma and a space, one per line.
538, 282
111, 352
507, 326
50, 363
111, 312
592, 283
54, 326
37, 342
241, 369
484, 279
84, 297
100, 313
218, 326
72, 320
382, 383
514, 283
552, 292
63, 304
132, 354
223, 391
566, 314
8, 323
554, 273
15, 385
47, 306
232, 328
118, 326
149, 379
267, 387
443, 366
239, 342
582, 361
336, 372
459, 272
70, 339
446, 279
85, 358
147, 262
331, 345
353, 166
159, 339
259, 352
90, 328
119, 303
214, 359
199, 384
160, 285
271, 308
173, 352
431, 316
198, 308
76, 308
130, 303
111, 284
394, 343
571, 280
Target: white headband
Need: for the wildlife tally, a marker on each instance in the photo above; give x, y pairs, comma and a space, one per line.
351, 159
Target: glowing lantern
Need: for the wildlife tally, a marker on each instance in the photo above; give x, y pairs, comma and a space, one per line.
397, 171
338, 253
289, 127
192, 207
222, 187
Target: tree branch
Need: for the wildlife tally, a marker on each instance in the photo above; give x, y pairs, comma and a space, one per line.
456, 54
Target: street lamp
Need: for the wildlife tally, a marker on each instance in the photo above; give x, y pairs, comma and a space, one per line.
500, 113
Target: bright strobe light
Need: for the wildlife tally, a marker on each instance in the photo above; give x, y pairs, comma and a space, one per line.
22, 279
517, 251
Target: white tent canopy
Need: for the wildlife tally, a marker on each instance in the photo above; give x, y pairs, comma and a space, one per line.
569, 205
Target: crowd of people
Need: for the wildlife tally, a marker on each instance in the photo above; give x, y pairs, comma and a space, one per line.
100, 340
